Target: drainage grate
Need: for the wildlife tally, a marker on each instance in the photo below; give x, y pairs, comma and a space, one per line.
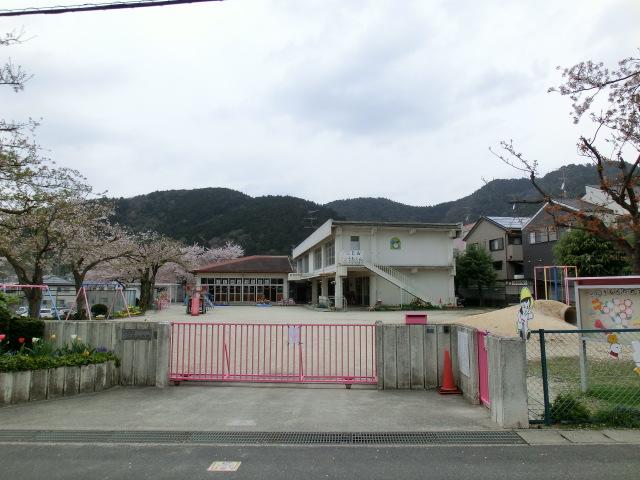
264, 438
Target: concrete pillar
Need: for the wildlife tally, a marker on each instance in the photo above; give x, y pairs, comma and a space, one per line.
324, 290
508, 382
162, 355
373, 290
338, 293
314, 291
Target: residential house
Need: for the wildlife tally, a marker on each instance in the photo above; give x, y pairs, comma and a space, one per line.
501, 237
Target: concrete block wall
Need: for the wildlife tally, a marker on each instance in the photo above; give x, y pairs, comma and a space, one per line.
412, 357
508, 381
30, 386
142, 347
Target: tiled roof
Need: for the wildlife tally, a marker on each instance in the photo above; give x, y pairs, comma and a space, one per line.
511, 223
252, 264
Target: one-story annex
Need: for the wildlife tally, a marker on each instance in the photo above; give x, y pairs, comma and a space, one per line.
247, 279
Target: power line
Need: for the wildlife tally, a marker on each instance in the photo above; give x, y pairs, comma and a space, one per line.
90, 7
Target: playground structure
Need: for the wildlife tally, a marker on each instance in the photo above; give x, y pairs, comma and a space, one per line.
555, 279
45, 288
82, 294
198, 299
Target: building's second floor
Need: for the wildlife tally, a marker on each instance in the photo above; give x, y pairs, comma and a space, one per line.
427, 245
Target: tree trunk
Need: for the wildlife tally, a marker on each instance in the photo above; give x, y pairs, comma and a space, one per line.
635, 267
78, 280
481, 296
34, 299
147, 281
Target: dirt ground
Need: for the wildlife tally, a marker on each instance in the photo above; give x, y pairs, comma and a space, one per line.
547, 314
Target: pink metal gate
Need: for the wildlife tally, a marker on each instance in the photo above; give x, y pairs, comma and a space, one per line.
483, 369
282, 353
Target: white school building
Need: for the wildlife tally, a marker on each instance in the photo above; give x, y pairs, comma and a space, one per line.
360, 263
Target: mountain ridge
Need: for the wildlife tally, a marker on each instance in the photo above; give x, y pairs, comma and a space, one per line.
273, 224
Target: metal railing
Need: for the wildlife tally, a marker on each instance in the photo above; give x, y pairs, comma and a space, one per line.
581, 376
402, 281
283, 353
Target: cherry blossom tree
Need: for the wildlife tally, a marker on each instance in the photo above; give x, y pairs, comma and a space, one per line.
195, 256
91, 240
610, 99
31, 242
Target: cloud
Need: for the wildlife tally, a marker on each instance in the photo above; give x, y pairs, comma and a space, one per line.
322, 99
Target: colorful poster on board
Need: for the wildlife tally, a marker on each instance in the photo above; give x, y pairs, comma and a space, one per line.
609, 308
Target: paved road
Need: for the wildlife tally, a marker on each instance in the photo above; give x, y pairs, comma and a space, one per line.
157, 462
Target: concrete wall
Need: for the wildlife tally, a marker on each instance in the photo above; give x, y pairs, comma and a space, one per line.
30, 386
508, 381
142, 347
412, 357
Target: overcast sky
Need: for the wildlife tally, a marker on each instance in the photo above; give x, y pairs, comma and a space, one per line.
321, 99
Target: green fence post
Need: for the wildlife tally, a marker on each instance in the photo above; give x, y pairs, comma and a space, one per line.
545, 380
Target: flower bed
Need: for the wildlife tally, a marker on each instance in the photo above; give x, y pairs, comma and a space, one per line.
43, 372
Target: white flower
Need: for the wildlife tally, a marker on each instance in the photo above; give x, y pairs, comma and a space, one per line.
35, 340
73, 337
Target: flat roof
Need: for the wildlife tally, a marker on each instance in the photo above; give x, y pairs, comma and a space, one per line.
364, 223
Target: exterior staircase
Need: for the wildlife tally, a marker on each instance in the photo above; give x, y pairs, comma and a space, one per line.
398, 279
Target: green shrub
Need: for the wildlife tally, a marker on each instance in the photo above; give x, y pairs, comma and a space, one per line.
16, 328
6, 302
99, 309
20, 362
618, 416
568, 408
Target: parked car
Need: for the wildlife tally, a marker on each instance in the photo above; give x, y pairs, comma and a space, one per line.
47, 313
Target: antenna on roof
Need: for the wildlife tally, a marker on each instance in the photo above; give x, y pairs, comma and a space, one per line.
564, 181
311, 219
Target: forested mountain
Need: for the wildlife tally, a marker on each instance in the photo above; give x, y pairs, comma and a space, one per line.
268, 225
273, 224
495, 198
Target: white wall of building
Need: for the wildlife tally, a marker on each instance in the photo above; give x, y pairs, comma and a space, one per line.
425, 256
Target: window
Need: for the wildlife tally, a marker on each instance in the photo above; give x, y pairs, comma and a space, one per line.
515, 240
474, 245
553, 234
532, 238
317, 258
305, 264
497, 265
542, 236
329, 254
496, 244
355, 243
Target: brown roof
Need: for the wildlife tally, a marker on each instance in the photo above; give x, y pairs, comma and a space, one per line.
252, 264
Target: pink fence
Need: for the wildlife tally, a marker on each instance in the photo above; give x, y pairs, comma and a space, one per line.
273, 353
483, 369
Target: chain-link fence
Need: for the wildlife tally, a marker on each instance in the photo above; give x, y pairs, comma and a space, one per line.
577, 376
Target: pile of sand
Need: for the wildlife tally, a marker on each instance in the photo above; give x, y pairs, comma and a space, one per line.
547, 314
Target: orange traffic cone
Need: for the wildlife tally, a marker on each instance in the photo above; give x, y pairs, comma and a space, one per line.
448, 386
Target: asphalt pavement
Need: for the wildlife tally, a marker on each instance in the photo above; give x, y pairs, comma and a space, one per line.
157, 462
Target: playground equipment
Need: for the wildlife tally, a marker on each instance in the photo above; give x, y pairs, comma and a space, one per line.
556, 282
82, 293
45, 288
198, 299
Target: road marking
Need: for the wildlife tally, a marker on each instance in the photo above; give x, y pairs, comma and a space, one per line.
224, 467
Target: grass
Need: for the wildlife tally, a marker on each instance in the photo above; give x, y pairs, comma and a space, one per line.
613, 388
